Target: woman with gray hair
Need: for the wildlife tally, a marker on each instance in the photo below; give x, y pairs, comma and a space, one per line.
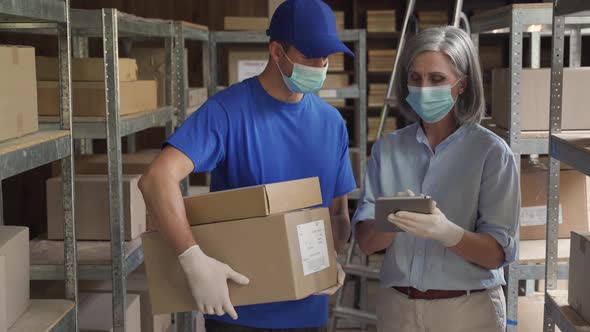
444, 272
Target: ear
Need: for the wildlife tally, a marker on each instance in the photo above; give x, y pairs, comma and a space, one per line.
463, 84
275, 51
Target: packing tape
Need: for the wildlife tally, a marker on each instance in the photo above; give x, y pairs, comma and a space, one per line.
15, 55
512, 322
19, 124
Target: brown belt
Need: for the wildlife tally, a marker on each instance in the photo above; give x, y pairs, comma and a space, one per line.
433, 294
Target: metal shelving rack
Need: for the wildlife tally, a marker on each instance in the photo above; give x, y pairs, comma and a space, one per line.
358, 91
571, 149
111, 26
182, 31
516, 19
45, 146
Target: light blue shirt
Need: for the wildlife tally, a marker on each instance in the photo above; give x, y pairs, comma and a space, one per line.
474, 179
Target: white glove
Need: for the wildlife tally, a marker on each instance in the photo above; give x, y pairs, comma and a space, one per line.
407, 193
332, 290
207, 279
433, 226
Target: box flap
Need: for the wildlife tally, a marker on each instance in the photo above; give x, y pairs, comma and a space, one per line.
293, 195
226, 205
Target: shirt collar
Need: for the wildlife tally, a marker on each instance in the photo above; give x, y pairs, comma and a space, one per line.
457, 134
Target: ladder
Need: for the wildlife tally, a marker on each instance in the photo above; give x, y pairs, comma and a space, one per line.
356, 263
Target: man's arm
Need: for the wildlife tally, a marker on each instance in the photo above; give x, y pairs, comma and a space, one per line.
340, 221
160, 186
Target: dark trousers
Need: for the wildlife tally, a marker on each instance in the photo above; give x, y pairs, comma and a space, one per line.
216, 326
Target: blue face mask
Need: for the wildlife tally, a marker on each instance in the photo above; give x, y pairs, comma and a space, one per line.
431, 103
304, 79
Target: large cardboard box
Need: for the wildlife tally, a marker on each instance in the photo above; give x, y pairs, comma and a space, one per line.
245, 23
151, 63
84, 69
573, 201
246, 64
92, 208
579, 287
14, 248
287, 256
96, 313
136, 284
18, 92
252, 202
88, 98
534, 103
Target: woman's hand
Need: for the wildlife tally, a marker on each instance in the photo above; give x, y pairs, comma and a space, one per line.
434, 226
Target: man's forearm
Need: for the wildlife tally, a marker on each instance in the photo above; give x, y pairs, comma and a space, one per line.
165, 206
480, 249
340, 231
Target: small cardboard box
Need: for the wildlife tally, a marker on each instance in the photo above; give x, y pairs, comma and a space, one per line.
92, 208
96, 313
14, 248
18, 92
579, 287
245, 23
252, 202
534, 102
286, 256
88, 98
84, 69
573, 201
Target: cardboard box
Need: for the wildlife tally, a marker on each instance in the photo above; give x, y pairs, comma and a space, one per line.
96, 313
336, 81
336, 62
287, 256
245, 23
84, 69
92, 208
18, 93
14, 248
246, 64
381, 20
136, 284
252, 202
579, 288
432, 18
196, 96
88, 98
534, 103
373, 126
151, 64
573, 201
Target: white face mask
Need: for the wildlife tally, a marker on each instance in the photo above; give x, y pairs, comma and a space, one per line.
304, 79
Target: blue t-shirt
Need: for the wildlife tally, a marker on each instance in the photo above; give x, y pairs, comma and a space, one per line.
245, 137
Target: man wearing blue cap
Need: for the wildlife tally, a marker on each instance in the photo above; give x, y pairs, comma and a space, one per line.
266, 129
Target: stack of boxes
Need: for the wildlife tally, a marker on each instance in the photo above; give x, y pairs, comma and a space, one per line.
381, 61
88, 88
381, 20
287, 253
377, 93
336, 62
336, 81
92, 223
373, 126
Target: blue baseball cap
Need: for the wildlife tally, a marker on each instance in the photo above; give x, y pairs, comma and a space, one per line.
309, 25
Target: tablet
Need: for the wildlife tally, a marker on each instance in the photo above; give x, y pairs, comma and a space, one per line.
385, 206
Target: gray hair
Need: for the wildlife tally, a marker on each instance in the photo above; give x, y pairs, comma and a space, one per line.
456, 44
